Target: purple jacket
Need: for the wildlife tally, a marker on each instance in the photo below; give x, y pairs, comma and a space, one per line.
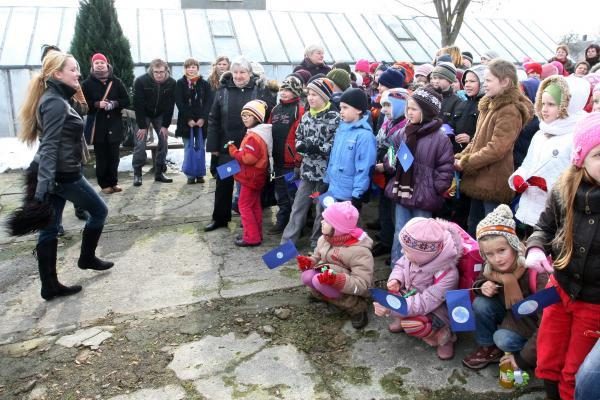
433, 171
431, 295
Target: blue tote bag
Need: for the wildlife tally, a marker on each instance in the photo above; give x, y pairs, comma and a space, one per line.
193, 155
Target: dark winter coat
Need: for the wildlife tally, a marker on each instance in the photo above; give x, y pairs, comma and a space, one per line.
464, 120
108, 125
285, 119
449, 103
192, 103
224, 120
61, 134
581, 277
314, 69
152, 99
433, 172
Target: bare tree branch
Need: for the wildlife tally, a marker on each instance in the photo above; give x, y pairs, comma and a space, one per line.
415, 9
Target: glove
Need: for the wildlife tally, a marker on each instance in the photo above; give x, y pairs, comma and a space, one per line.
519, 184
304, 262
537, 260
330, 278
539, 182
356, 202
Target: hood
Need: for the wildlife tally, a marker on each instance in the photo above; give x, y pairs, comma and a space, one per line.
365, 241
227, 80
363, 122
478, 70
510, 96
451, 252
530, 87
575, 93
265, 133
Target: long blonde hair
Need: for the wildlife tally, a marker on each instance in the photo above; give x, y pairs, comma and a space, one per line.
567, 186
53, 62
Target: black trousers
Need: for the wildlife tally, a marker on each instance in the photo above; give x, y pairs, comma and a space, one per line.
107, 163
223, 199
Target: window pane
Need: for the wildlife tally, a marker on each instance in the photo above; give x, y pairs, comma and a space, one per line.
223, 45
227, 47
268, 36
152, 41
349, 36
386, 38
478, 47
246, 36
46, 32
430, 47
368, 37
176, 36
490, 40
396, 27
6, 128
509, 43
67, 28
539, 44
518, 37
199, 35
309, 34
339, 52
19, 79
128, 20
18, 33
292, 42
416, 51
432, 30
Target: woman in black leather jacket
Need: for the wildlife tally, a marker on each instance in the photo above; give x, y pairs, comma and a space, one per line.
47, 115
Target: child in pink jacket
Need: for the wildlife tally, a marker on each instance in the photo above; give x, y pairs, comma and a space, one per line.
426, 271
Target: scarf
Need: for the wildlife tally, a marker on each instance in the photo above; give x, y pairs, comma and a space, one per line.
403, 183
191, 79
314, 113
341, 240
510, 281
101, 75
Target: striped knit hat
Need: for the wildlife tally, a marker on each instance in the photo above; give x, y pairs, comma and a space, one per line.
429, 101
445, 70
500, 222
257, 108
323, 87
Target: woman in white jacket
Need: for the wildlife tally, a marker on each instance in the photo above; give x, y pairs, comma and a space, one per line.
559, 105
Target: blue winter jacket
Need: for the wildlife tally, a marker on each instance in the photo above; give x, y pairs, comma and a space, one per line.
351, 159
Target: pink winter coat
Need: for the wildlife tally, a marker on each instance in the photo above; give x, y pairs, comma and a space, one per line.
431, 280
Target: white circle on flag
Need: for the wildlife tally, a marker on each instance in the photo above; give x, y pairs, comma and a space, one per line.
460, 314
228, 169
393, 301
405, 156
528, 307
328, 200
279, 255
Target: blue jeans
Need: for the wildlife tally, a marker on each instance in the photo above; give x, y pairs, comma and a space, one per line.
403, 215
82, 195
587, 380
478, 211
284, 193
489, 313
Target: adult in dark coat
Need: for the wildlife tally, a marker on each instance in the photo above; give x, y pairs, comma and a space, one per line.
238, 86
529, 87
106, 96
193, 99
313, 61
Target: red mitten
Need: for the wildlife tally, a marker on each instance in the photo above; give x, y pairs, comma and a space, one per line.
519, 184
329, 277
539, 182
304, 262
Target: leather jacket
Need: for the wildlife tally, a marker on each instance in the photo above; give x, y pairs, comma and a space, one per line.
61, 132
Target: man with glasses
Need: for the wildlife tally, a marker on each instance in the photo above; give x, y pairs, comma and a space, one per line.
154, 101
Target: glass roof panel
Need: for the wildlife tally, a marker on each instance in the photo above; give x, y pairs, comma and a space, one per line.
526, 29
477, 46
4, 12
421, 37
334, 42
520, 40
504, 38
268, 36
309, 34
5, 111
491, 40
200, 40
372, 42
129, 24
219, 20
386, 38
246, 35
289, 35
396, 27
416, 52
345, 30
176, 35
18, 36
152, 41
67, 28
46, 32
432, 29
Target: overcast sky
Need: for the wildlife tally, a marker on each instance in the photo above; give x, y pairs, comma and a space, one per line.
557, 17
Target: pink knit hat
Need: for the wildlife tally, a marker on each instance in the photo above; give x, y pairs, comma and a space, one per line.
423, 69
343, 216
99, 56
422, 239
362, 65
585, 138
549, 70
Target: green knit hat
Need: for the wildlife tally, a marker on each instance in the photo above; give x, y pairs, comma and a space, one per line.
555, 91
340, 77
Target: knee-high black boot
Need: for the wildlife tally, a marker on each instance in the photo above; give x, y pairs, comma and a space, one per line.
551, 390
51, 287
88, 259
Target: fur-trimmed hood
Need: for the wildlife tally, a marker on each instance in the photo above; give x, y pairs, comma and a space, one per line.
510, 96
261, 82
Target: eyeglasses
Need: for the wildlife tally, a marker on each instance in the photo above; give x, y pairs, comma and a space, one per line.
245, 116
159, 72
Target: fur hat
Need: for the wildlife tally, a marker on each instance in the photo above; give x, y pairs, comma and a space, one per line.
355, 98
257, 108
422, 239
500, 222
429, 101
392, 78
397, 99
99, 56
362, 65
424, 69
340, 77
293, 84
586, 137
323, 87
343, 217
445, 70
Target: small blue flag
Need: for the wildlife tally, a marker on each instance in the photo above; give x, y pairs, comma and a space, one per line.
289, 177
280, 255
228, 169
394, 302
460, 311
536, 302
405, 156
447, 129
297, 182
326, 199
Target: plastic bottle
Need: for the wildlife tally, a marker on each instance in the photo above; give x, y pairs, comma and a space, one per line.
504, 381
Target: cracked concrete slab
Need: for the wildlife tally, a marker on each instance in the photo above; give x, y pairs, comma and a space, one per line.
169, 392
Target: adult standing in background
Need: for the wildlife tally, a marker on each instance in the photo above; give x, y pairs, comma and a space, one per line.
313, 62
154, 101
238, 87
592, 54
192, 96
562, 56
106, 96
217, 69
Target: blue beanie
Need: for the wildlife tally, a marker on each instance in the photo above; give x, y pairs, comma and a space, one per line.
392, 78
397, 100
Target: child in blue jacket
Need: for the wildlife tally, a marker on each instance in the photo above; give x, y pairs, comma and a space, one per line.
353, 154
